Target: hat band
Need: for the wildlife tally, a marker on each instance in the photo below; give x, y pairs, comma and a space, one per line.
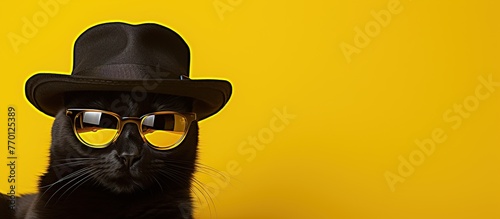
128, 72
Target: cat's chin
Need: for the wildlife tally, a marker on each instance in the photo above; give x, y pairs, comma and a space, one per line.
125, 189
122, 185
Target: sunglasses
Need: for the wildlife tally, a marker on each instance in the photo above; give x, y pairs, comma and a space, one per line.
98, 128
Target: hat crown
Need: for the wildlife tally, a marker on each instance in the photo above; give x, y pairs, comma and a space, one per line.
124, 51
144, 58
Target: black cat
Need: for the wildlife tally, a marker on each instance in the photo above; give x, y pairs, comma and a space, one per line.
127, 179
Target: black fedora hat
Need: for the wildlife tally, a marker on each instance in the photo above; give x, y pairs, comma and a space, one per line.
132, 58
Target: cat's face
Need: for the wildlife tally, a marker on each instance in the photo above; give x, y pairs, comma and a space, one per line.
129, 164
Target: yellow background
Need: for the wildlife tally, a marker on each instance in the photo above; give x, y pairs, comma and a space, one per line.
353, 119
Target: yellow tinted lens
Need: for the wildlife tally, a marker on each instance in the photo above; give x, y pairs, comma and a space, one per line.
96, 129
164, 130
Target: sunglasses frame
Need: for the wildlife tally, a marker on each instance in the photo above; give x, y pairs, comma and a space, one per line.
122, 121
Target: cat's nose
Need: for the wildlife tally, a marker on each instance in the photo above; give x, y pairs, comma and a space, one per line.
129, 159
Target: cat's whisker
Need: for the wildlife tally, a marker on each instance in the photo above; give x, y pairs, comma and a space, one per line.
215, 171
76, 158
74, 163
86, 180
65, 177
202, 168
170, 177
159, 184
219, 175
77, 183
71, 160
199, 186
88, 170
216, 174
198, 199
179, 182
196, 193
139, 185
58, 181
198, 164
204, 190
66, 184
176, 164
175, 179
160, 181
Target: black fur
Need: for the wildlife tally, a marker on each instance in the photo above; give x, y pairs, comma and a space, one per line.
5, 211
83, 182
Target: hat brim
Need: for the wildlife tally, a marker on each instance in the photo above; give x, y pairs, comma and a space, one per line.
46, 91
